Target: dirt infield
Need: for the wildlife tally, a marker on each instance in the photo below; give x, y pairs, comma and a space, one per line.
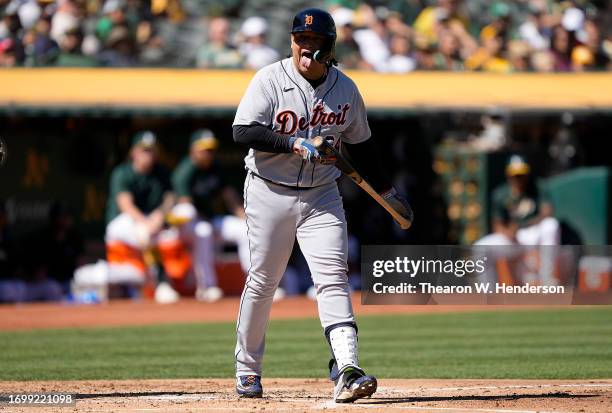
281, 395
147, 312
307, 395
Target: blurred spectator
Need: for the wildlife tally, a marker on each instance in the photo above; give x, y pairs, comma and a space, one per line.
9, 53
113, 16
498, 35
518, 55
447, 57
373, 40
40, 49
11, 34
151, 45
425, 56
561, 48
71, 54
535, 30
490, 56
606, 47
500, 26
446, 12
542, 61
347, 50
401, 60
66, 17
120, 50
590, 55
396, 25
255, 51
217, 52
29, 12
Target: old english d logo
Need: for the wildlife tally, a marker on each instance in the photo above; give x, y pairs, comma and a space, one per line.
309, 19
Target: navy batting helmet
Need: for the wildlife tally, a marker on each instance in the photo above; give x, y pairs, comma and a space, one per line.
321, 22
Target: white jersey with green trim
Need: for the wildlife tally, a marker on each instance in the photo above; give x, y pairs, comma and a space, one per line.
280, 98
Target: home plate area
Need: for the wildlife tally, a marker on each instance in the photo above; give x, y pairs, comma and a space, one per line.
305, 395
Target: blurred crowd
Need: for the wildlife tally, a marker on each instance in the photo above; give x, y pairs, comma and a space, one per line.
390, 36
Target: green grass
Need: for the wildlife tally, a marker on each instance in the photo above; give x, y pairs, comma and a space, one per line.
571, 343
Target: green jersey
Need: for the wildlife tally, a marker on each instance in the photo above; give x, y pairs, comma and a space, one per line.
517, 208
147, 190
202, 186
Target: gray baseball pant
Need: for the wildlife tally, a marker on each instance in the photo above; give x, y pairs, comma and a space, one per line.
276, 215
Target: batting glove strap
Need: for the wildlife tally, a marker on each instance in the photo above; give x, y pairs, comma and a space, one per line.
389, 193
309, 152
398, 203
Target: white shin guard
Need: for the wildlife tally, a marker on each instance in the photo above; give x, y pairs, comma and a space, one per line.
343, 343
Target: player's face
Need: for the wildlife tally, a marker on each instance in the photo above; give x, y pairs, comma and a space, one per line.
303, 47
143, 158
203, 158
519, 182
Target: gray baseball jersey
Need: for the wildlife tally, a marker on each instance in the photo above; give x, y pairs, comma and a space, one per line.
280, 98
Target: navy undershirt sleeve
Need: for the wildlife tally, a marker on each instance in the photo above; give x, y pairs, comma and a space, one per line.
261, 138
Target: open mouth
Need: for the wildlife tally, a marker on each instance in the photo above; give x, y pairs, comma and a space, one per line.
307, 53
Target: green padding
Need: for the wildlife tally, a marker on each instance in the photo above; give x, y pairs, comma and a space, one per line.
581, 200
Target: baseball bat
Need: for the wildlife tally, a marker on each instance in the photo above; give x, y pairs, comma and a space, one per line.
345, 166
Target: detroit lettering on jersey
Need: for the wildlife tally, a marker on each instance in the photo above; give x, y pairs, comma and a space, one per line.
280, 98
289, 121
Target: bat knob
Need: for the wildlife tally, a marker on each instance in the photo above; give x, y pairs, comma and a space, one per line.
318, 142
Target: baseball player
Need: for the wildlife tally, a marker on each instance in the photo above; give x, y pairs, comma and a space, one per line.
140, 196
523, 216
291, 192
198, 183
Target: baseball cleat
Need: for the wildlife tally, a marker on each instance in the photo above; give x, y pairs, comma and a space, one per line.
249, 386
353, 384
165, 294
209, 295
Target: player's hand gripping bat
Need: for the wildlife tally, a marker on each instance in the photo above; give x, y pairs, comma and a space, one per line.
401, 212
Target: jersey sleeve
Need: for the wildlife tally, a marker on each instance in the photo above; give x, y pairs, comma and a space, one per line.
358, 130
498, 204
257, 105
119, 181
181, 178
